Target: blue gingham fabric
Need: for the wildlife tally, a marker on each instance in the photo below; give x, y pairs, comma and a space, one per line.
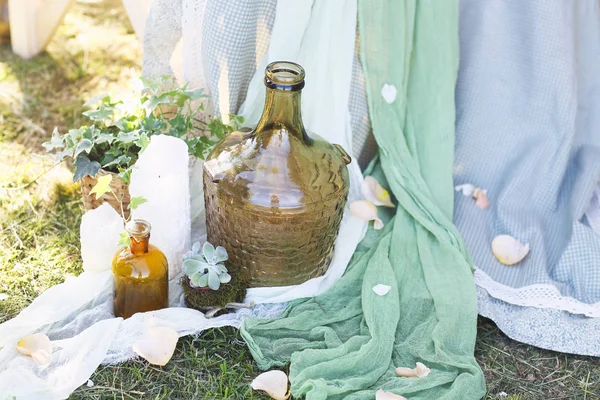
528, 131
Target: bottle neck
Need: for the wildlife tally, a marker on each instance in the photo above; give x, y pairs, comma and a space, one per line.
282, 112
139, 245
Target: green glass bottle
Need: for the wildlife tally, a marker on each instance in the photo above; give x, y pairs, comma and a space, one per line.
275, 195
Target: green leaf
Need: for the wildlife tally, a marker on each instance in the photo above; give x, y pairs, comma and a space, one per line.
125, 175
83, 166
121, 160
224, 278
191, 267
85, 145
221, 254
128, 137
150, 84
196, 94
208, 250
102, 114
61, 155
135, 202
126, 124
124, 239
213, 280
104, 138
96, 99
55, 142
102, 187
142, 142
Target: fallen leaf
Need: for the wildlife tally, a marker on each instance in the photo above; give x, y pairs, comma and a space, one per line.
157, 345
36, 346
274, 382
366, 211
381, 290
509, 250
375, 193
420, 371
383, 395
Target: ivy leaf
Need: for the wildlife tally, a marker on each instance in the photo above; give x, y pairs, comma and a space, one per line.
135, 202
102, 114
96, 99
56, 142
83, 166
196, 94
104, 138
121, 160
102, 187
142, 142
150, 84
128, 137
61, 155
124, 239
85, 145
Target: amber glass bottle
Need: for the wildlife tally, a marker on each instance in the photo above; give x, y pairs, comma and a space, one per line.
275, 196
141, 273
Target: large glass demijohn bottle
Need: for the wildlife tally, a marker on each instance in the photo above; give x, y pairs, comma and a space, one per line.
275, 195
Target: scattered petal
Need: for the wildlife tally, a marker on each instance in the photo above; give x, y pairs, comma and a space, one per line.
467, 189
382, 395
389, 93
481, 198
509, 250
3, 296
274, 382
502, 394
90, 383
38, 347
381, 290
366, 211
158, 345
421, 371
375, 193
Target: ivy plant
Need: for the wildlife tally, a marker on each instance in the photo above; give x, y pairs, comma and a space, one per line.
118, 133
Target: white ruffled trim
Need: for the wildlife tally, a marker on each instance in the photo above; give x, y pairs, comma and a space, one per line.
538, 296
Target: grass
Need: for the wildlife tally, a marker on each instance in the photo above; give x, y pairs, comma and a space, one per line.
95, 51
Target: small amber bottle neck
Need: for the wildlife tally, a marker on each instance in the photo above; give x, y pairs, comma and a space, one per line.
139, 245
282, 112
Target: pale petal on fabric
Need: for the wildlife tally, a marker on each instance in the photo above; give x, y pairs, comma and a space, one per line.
157, 345
467, 189
375, 193
364, 210
37, 346
481, 199
389, 93
508, 250
100, 230
161, 176
383, 395
381, 290
274, 382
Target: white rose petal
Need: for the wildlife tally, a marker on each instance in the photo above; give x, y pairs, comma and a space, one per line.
36, 346
467, 189
389, 93
90, 383
366, 211
509, 250
3, 296
157, 345
382, 395
375, 193
381, 290
421, 371
274, 382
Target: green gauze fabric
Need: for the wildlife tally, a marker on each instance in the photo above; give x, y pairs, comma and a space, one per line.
346, 343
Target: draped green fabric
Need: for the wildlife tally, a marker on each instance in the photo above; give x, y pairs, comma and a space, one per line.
346, 343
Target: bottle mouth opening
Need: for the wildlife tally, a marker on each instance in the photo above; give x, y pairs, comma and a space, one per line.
138, 228
284, 75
